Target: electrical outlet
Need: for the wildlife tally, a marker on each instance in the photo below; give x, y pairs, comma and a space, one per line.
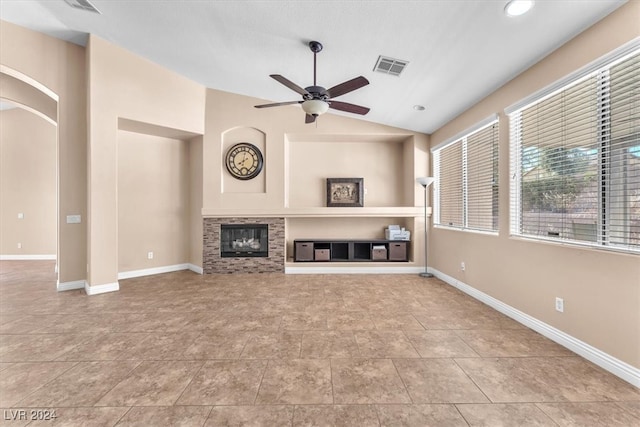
74, 219
150, 255
462, 266
559, 305
20, 215
19, 245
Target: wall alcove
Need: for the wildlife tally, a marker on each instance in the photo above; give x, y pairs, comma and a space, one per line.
252, 136
159, 189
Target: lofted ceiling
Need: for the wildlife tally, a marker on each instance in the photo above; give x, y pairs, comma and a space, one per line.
459, 51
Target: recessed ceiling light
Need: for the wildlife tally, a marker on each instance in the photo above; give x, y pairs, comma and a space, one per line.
518, 7
419, 107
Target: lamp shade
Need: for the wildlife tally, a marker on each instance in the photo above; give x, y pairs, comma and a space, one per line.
315, 107
425, 181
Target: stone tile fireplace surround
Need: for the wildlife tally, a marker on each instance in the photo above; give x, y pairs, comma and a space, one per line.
214, 263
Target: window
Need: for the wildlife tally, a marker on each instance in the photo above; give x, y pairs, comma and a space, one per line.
466, 186
576, 158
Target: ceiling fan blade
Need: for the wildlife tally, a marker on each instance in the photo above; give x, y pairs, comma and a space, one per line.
309, 118
278, 104
288, 83
347, 87
349, 108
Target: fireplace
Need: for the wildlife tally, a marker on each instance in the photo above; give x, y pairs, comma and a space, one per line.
244, 240
212, 236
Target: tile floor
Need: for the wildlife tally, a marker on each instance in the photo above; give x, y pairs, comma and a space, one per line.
276, 350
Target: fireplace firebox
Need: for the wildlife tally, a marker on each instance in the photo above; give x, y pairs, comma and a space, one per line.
244, 240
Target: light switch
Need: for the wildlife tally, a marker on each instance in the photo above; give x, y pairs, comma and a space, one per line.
20, 215
74, 219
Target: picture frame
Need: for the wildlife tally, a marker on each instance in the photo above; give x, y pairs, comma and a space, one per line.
345, 192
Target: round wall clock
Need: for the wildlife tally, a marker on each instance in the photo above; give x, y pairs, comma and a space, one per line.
244, 161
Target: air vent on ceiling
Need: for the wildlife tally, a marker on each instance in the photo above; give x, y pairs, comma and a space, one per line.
82, 5
390, 66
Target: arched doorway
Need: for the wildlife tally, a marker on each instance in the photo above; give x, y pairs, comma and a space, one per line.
29, 189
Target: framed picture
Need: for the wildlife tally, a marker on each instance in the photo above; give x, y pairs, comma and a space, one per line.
345, 192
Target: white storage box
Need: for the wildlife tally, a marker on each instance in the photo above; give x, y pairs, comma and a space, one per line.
394, 232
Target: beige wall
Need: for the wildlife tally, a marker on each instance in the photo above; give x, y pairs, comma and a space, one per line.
195, 197
27, 184
286, 137
601, 289
380, 164
60, 67
153, 201
123, 85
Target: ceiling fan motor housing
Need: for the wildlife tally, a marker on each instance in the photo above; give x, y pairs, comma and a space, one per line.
316, 92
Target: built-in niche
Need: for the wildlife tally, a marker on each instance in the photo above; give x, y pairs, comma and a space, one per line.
234, 136
381, 160
155, 225
344, 228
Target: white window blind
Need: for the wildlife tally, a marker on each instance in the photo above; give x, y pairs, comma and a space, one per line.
466, 189
576, 160
449, 185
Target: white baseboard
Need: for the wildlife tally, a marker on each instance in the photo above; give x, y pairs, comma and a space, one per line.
617, 367
196, 269
319, 269
159, 270
68, 286
101, 289
48, 257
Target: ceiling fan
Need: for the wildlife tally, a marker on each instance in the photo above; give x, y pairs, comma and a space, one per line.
316, 100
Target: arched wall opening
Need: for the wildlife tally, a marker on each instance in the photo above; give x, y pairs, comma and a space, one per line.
29, 193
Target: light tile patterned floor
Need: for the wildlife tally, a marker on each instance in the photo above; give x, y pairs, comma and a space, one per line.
275, 350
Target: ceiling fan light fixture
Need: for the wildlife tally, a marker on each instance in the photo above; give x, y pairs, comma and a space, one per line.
518, 7
315, 107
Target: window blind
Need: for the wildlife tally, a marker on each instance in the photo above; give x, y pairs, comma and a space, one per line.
576, 160
482, 179
466, 190
450, 185
621, 158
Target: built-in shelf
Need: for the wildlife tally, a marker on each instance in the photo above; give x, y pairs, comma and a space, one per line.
320, 212
337, 250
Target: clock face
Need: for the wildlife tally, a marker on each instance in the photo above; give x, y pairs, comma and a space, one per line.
244, 161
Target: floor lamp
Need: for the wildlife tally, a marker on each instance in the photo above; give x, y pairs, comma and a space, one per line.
425, 181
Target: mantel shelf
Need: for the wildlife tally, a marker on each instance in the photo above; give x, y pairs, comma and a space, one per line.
320, 212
